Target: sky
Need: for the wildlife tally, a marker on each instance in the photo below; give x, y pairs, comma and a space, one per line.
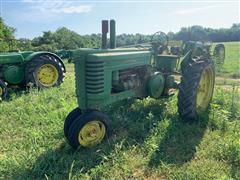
32, 17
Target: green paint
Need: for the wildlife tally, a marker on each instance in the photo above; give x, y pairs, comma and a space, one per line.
166, 63
64, 54
14, 74
104, 33
6, 58
104, 76
94, 69
13, 65
97, 71
112, 34
156, 85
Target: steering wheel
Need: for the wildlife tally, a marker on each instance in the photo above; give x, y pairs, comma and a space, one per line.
160, 38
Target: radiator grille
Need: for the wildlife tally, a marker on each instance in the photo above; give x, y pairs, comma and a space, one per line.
94, 77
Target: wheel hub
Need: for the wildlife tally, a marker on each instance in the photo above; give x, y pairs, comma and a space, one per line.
92, 133
47, 75
205, 88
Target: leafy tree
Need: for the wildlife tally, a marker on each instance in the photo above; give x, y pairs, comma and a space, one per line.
24, 44
64, 38
198, 33
194, 33
7, 39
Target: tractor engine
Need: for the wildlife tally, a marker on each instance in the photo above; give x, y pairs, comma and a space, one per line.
127, 79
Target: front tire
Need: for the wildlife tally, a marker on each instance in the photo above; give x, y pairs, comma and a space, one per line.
88, 130
74, 114
196, 88
44, 71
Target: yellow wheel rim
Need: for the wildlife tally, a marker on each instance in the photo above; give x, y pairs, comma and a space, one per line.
92, 133
1, 91
47, 75
205, 89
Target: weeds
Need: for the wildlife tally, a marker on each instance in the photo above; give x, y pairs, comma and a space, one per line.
147, 140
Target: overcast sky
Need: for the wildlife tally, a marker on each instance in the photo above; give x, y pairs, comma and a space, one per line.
31, 17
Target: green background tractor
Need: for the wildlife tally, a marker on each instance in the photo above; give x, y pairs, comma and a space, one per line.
35, 69
105, 76
216, 52
65, 54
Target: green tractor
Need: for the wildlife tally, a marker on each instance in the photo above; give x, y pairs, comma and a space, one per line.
216, 52
219, 55
104, 76
30, 69
65, 54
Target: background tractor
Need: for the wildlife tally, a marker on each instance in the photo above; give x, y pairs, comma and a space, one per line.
215, 52
65, 54
34, 69
104, 76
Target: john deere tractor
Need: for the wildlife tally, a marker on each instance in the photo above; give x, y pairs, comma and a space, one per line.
64, 54
104, 76
216, 52
36, 69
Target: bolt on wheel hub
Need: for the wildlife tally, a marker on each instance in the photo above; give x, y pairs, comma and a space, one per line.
47, 75
92, 133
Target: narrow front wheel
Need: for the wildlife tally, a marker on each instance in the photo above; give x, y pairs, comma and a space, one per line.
88, 129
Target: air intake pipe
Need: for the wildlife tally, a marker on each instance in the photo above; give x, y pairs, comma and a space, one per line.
104, 33
112, 34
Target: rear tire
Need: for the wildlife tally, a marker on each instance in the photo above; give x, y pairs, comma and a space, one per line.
196, 88
219, 54
44, 71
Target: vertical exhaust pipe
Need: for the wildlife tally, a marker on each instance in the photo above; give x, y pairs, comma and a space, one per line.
104, 33
112, 34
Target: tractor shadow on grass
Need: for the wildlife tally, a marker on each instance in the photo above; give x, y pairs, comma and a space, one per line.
179, 143
131, 124
14, 93
61, 162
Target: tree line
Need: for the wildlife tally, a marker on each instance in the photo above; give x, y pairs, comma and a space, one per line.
64, 38
6, 36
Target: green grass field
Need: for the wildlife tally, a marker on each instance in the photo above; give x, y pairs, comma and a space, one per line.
231, 67
147, 141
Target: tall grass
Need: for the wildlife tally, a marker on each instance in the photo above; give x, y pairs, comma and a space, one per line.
147, 139
231, 66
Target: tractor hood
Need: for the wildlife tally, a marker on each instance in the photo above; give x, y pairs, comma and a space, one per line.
18, 57
14, 57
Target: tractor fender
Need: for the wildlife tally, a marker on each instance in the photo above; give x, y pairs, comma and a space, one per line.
35, 54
